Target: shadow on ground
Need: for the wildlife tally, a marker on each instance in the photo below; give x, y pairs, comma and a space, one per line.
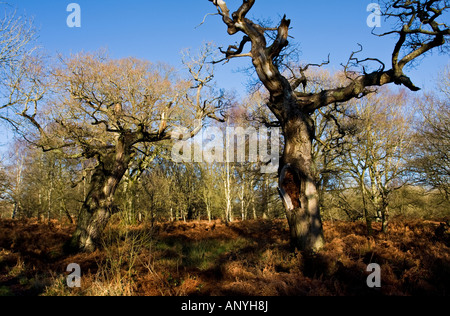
242, 258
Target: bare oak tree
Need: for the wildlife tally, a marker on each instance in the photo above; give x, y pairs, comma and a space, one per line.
90, 107
419, 31
124, 104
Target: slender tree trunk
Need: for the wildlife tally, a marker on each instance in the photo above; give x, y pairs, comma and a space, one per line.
40, 208
66, 212
243, 210
208, 210
384, 215
298, 187
385, 220
18, 187
228, 206
49, 198
15, 210
252, 199
365, 206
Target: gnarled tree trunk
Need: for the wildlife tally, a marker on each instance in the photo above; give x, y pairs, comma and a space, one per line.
297, 185
99, 203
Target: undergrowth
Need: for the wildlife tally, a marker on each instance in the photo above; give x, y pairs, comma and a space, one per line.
241, 258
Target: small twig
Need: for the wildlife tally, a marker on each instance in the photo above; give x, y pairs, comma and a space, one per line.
204, 19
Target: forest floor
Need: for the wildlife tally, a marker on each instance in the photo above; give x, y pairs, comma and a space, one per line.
250, 258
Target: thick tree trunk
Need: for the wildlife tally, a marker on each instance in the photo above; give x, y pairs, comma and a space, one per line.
99, 203
91, 223
298, 188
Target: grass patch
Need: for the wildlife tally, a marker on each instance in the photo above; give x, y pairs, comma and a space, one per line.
205, 253
202, 254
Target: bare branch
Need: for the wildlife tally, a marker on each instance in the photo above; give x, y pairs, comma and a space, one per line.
204, 19
416, 18
303, 80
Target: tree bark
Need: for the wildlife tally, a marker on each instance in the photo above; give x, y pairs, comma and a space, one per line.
366, 214
99, 203
66, 212
384, 215
15, 210
298, 187
228, 197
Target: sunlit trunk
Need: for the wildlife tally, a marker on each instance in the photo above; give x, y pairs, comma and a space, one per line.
228, 197
298, 187
99, 203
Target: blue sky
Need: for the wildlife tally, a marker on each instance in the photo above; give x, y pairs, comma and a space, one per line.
160, 30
